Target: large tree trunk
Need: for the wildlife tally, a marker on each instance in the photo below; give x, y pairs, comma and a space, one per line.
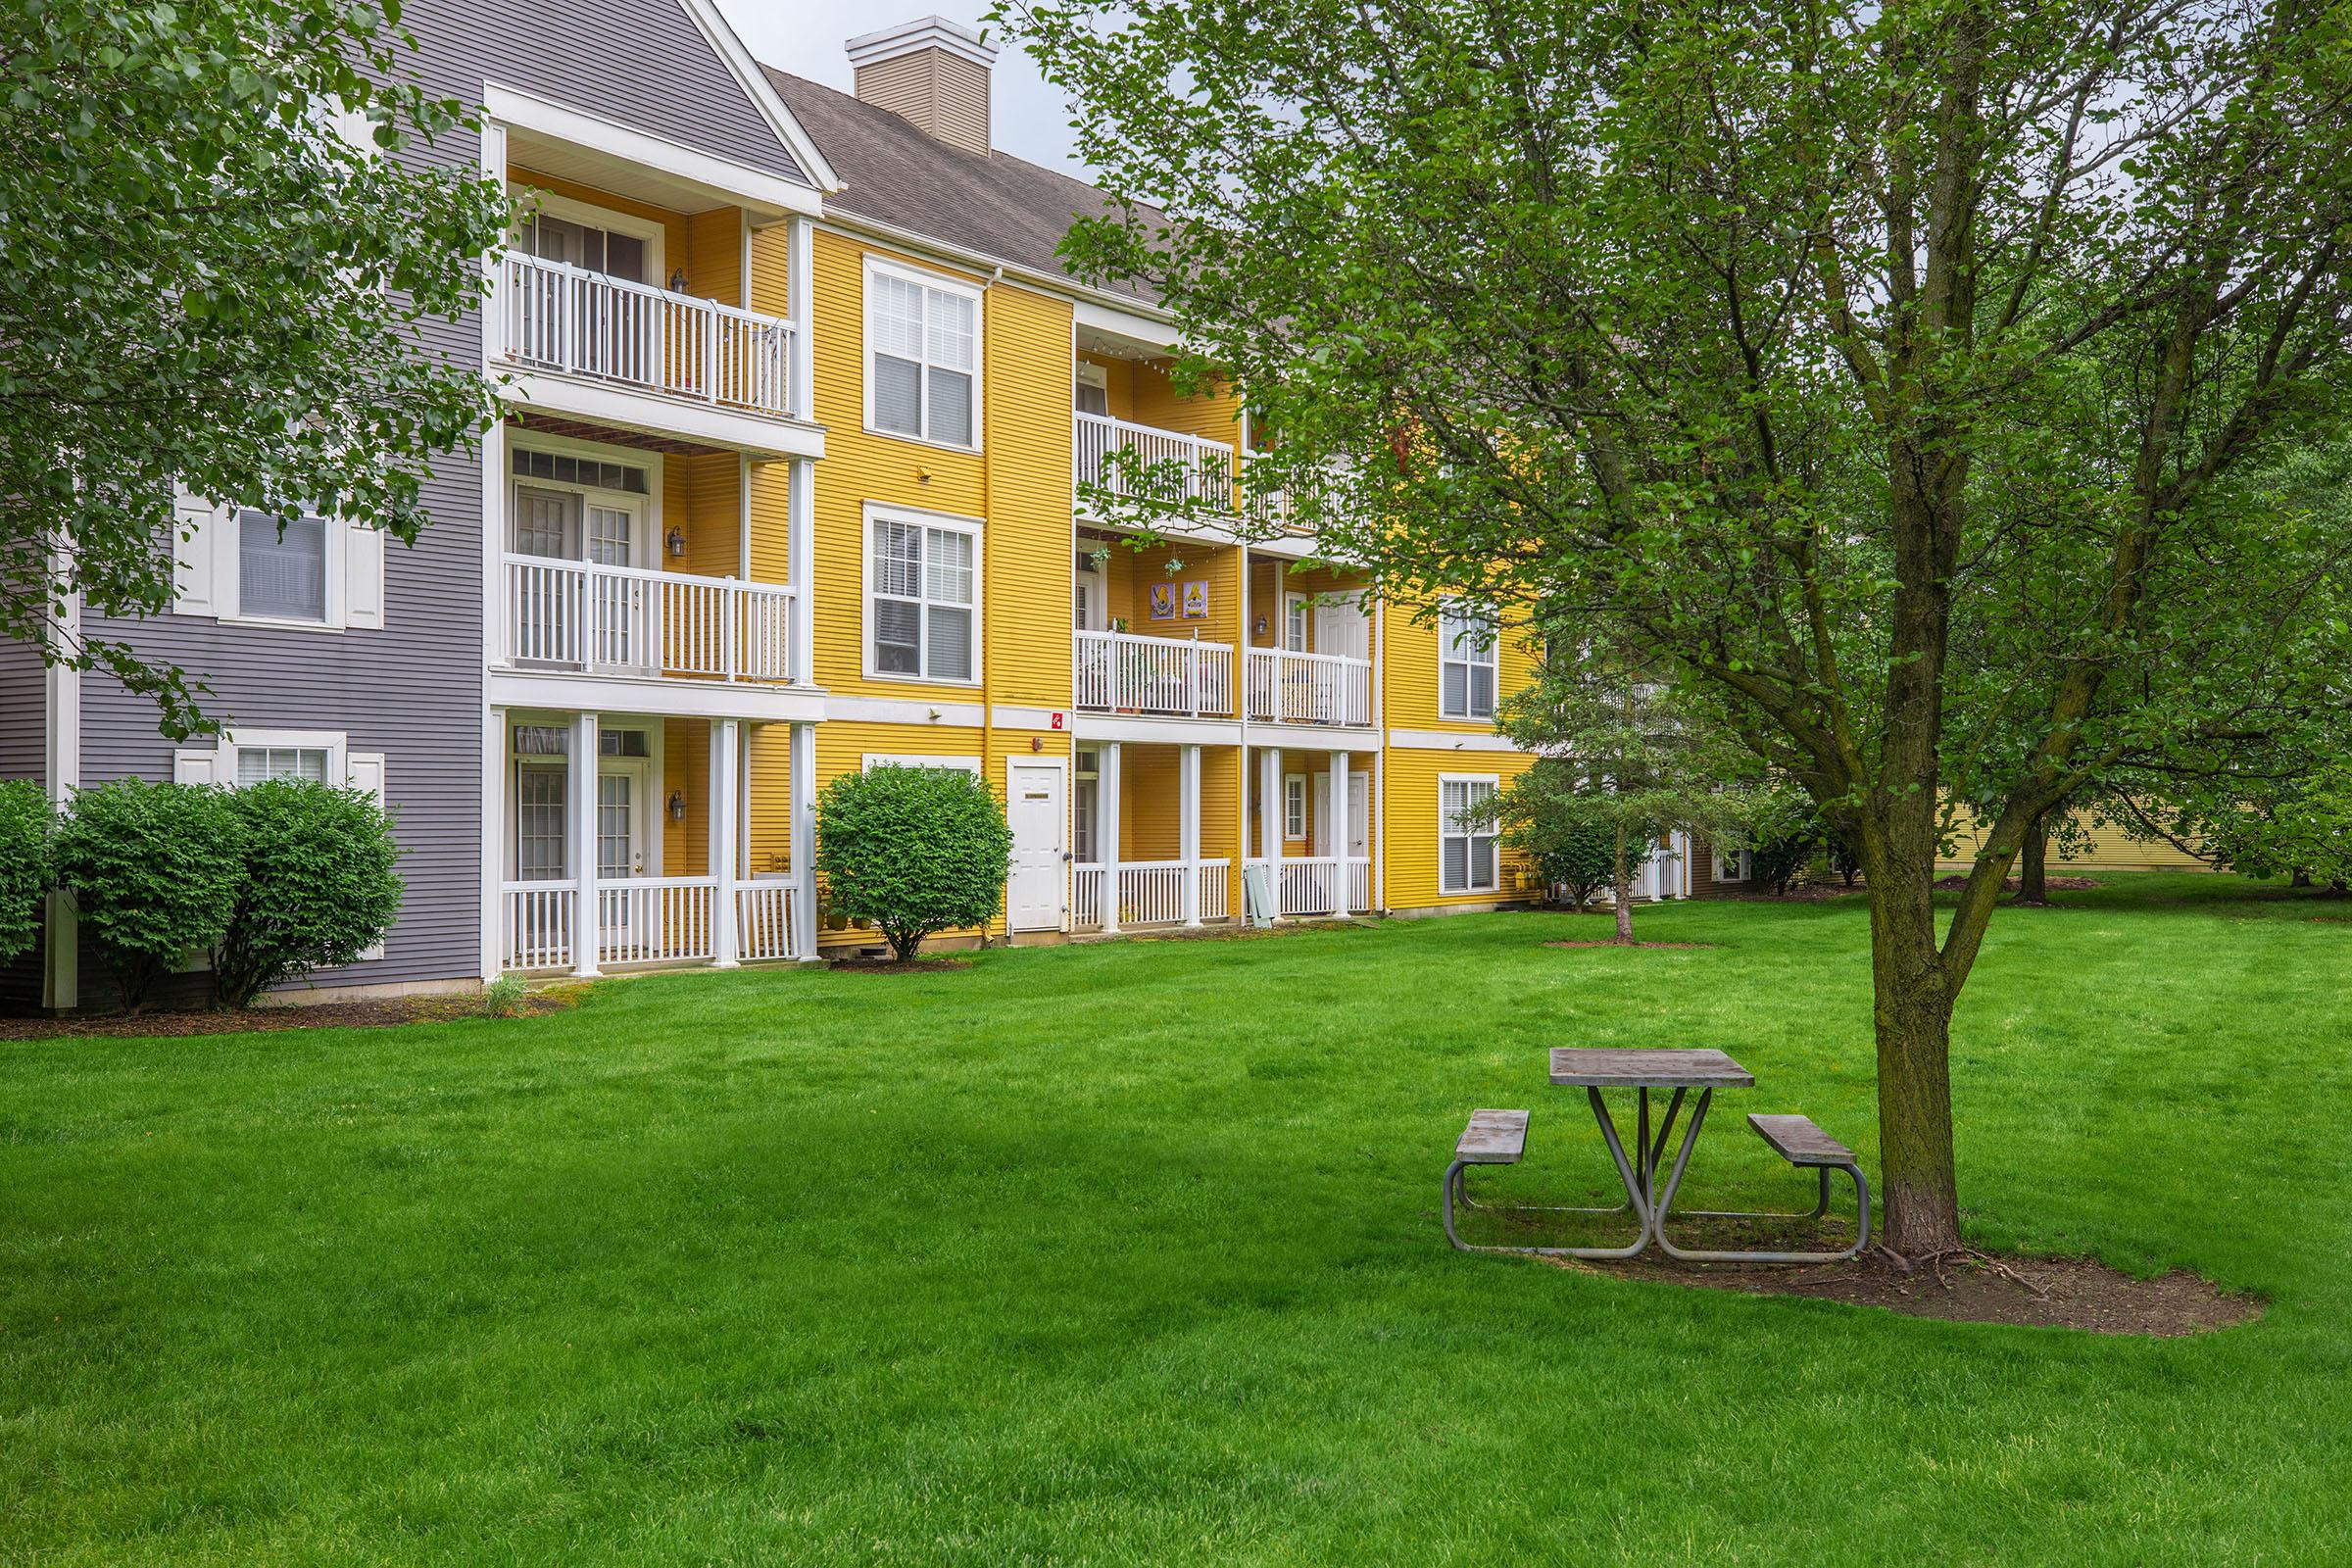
1912, 1013
2032, 864
1620, 881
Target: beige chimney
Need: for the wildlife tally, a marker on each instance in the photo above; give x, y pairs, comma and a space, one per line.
932, 73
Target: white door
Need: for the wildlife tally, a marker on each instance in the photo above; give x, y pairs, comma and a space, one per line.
1341, 629
1033, 897
1359, 815
619, 606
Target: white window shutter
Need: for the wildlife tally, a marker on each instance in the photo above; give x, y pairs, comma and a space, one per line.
194, 574
364, 579
365, 771
198, 768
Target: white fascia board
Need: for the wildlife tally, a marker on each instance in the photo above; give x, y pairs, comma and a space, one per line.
762, 93
1155, 328
1313, 737
1137, 730
770, 196
1441, 740
759, 436
906, 711
565, 691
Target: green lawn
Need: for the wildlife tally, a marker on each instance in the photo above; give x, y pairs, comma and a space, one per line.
1129, 1255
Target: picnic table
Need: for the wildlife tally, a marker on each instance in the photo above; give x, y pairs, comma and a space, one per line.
1500, 1138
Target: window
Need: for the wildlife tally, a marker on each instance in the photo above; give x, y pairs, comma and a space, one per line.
583, 245
923, 601
1465, 663
258, 762
281, 566
1086, 804
593, 473
1294, 806
922, 341
1294, 622
1092, 389
1465, 841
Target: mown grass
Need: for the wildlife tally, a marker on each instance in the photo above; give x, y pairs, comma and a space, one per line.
1127, 1255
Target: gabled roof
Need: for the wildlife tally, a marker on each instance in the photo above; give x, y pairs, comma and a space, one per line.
999, 207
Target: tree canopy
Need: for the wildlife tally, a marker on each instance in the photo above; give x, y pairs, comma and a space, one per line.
1882, 371
226, 221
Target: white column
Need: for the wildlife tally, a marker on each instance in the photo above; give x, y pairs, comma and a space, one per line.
1107, 797
725, 773
803, 785
1335, 776
1269, 811
496, 837
1188, 819
799, 297
580, 787
1378, 879
799, 566
61, 762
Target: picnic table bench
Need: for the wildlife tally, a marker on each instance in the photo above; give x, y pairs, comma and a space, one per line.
1500, 1138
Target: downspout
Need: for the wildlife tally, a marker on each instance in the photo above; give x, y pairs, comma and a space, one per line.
988, 578
1380, 757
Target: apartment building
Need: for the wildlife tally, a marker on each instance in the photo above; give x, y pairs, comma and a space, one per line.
798, 407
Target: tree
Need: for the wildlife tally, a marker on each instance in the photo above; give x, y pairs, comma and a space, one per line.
1783, 832
1615, 751
1548, 815
1879, 369
27, 825
915, 849
154, 870
2300, 829
316, 886
225, 223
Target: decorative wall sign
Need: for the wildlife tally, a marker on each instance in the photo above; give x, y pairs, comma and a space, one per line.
1163, 600
1195, 601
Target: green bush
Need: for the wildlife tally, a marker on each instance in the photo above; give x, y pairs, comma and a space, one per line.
154, 870
28, 824
915, 849
507, 996
1572, 839
317, 887
1783, 833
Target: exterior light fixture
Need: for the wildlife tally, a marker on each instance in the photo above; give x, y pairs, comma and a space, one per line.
676, 542
677, 806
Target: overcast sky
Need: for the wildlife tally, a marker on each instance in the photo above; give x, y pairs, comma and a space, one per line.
805, 37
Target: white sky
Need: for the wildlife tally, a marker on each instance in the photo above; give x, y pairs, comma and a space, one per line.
805, 37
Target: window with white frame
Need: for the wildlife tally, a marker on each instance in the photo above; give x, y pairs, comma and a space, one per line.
1086, 801
281, 568
1294, 806
1467, 644
1465, 835
309, 764
922, 355
923, 597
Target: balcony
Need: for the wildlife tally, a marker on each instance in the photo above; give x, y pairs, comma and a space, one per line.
1151, 893
1169, 677
1286, 688
621, 621
1311, 885
1147, 463
645, 920
584, 325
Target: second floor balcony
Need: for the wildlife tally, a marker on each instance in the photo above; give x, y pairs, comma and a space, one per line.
1177, 677
563, 615
1295, 688
554, 316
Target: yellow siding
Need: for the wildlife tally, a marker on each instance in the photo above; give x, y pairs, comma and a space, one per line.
2111, 848
1413, 818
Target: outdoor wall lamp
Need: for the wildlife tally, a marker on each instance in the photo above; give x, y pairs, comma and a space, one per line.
677, 806
676, 541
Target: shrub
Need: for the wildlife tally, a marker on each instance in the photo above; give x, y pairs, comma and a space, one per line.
506, 997
28, 824
915, 849
1571, 838
317, 887
1783, 833
154, 870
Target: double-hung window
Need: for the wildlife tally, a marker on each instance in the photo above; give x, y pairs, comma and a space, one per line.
1465, 835
923, 598
1466, 644
1294, 806
922, 352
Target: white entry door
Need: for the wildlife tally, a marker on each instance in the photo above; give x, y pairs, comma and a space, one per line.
1341, 629
1033, 898
1359, 815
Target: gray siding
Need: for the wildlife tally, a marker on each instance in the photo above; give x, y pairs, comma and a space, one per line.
642, 63
24, 711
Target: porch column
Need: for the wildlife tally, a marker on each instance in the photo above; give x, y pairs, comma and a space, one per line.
799, 291
580, 787
61, 756
1106, 798
1269, 811
803, 786
1334, 778
726, 744
799, 566
1188, 819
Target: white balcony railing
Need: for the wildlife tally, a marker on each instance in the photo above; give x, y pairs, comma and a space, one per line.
1308, 885
621, 620
652, 920
1122, 672
644, 920
1154, 465
1216, 890
763, 920
540, 923
1286, 688
560, 318
1150, 892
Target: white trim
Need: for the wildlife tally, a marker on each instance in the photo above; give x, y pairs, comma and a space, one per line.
1069, 828
954, 764
927, 32
647, 504
881, 512
588, 215
866, 231
654, 697
60, 776
765, 436
940, 282
1306, 815
1006, 715
1143, 730
1442, 739
1462, 607
762, 93
335, 742
717, 177
905, 711
1130, 321
1446, 830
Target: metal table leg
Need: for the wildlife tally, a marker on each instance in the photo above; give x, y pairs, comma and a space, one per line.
1682, 1162
1633, 1177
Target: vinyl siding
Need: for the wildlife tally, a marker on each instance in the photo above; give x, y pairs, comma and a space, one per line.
23, 713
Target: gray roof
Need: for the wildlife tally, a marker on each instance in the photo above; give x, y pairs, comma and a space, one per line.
999, 207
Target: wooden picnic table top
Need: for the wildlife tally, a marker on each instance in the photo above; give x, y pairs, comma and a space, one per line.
1577, 1066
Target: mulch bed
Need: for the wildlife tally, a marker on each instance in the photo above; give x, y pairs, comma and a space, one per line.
2056, 884
1682, 947
894, 967
376, 1013
2069, 1293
